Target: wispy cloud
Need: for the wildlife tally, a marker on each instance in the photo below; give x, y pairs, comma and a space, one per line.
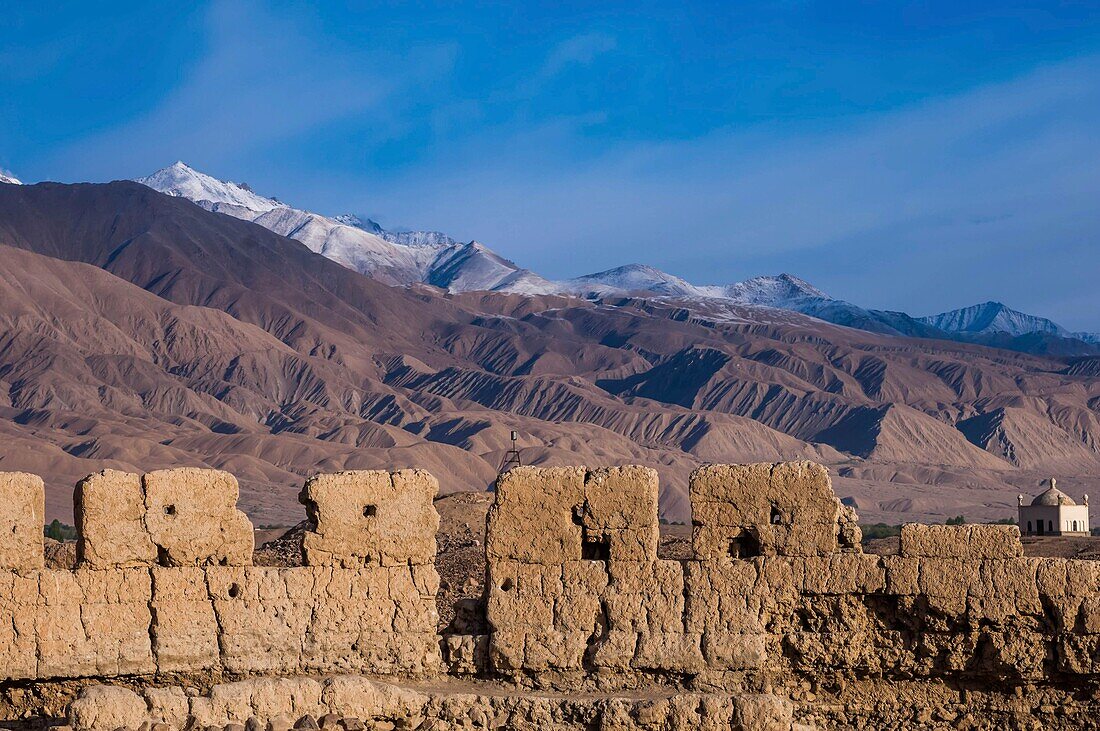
580, 50
264, 79
576, 51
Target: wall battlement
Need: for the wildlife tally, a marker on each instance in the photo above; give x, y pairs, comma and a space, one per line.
777, 584
776, 593
165, 581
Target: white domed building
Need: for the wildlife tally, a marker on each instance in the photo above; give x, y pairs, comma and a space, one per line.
1054, 513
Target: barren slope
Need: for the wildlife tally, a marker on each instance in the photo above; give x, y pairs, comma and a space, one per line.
196, 338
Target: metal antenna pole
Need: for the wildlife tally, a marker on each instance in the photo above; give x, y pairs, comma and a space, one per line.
511, 458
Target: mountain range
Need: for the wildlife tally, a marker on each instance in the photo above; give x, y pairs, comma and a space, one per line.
139, 330
391, 258
429, 257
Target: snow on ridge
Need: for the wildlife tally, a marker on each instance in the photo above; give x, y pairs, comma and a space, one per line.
396, 258
431, 257
631, 278
773, 291
9, 178
405, 238
993, 317
990, 318
779, 291
182, 181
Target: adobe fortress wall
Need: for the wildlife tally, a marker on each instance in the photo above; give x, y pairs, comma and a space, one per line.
777, 588
165, 582
777, 608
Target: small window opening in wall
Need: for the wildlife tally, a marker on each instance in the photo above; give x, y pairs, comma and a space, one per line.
370, 511
506, 585
234, 591
776, 518
744, 545
595, 549
169, 509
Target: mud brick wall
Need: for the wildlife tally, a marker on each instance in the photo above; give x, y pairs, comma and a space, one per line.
574, 582
777, 587
164, 582
777, 590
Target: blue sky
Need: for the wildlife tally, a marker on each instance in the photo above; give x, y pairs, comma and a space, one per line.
915, 156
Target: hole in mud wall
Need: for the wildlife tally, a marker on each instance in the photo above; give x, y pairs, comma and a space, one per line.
744, 545
170, 510
234, 591
370, 511
578, 515
776, 517
595, 549
506, 585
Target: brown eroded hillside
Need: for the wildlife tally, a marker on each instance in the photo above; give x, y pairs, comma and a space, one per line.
140, 331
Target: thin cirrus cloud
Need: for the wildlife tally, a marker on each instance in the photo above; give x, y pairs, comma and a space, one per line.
265, 79
580, 49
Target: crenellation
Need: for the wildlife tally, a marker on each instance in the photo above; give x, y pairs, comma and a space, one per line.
165, 585
22, 513
785, 509
191, 517
549, 507
110, 521
370, 517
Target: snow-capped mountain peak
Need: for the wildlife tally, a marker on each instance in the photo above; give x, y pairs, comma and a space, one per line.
9, 179
770, 291
993, 317
632, 278
396, 258
773, 291
183, 181
350, 219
